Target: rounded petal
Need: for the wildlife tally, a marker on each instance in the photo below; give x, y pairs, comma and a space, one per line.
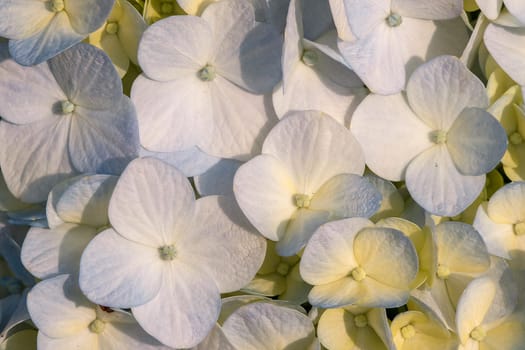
120, 273
152, 203
435, 183
499, 238
490, 8
23, 19
47, 253
85, 340
315, 148
516, 8
264, 190
175, 47
507, 46
435, 10
476, 142
58, 308
441, 89
185, 308
218, 180
131, 28
507, 205
390, 133
223, 243
87, 16
365, 15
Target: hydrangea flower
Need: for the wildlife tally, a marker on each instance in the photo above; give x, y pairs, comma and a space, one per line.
40, 29
393, 37
203, 79
63, 117
492, 8
67, 320
168, 256
308, 174
437, 137
353, 262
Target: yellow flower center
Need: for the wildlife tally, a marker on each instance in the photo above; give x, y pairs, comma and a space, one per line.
443, 271
55, 5
167, 252
67, 107
302, 200
97, 326
283, 268
361, 321
478, 334
358, 274
438, 136
310, 58
516, 138
166, 7
112, 28
408, 331
207, 73
394, 20
519, 228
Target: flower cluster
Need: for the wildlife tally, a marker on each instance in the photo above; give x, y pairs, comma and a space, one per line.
262, 174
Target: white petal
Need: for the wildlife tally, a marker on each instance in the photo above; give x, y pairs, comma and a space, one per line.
329, 254
497, 237
435, 10
131, 28
117, 272
58, 308
112, 46
378, 59
56, 37
23, 19
293, 47
439, 90
152, 203
516, 8
28, 94
315, 148
36, 158
507, 46
232, 136
490, 8
365, 15
435, 183
223, 242
126, 334
476, 142
218, 180
299, 230
87, 16
181, 115
264, 190
185, 309
266, 326
87, 76
347, 195
385, 125
507, 205
85, 340
175, 47
341, 22
47, 253
104, 140
246, 53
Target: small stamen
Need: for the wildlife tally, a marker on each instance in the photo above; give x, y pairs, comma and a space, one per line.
516, 138
310, 58
394, 20
168, 252
519, 228
408, 331
55, 5
67, 107
283, 269
358, 274
478, 334
361, 321
302, 200
207, 73
443, 271
112, 28
97, 326
438, 136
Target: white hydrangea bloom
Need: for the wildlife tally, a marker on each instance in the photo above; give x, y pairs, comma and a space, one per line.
67, 320
169, 256
203, 79
41, 29
437, 137
351, 261
63, 117
492, 8
393, 37
308, 174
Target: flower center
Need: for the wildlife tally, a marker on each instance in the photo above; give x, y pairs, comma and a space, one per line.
97, 326
438, 136
361, 321
112, 28
443, 271
358, 274
283, 269
67, 107
302, 200
516, 138
394, 20
408, 331
478, 334
310, 58
207, 73
166, 7
519, 228
167, 252
55, 5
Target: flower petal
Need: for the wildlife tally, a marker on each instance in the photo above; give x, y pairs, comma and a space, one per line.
23, 19
365, 15
499, 238
435, 10
507, 205
87, 16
